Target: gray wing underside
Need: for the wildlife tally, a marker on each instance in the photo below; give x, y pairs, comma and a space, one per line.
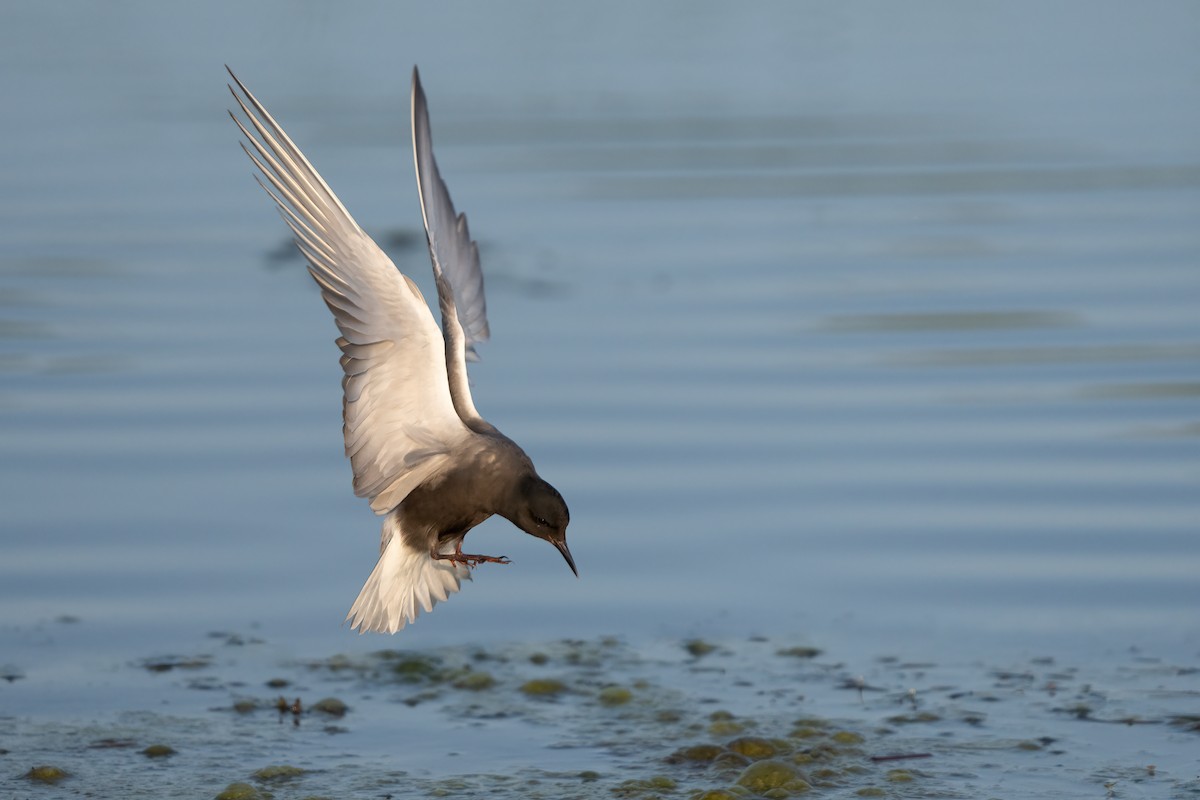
400, 421
455, 259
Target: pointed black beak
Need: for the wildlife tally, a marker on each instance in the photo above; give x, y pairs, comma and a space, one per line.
562, 548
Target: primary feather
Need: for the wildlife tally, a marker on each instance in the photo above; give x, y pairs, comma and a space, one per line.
399, 419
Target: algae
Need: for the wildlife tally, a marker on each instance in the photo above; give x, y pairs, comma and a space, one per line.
717, 794
277, 773
663, 741
918, 718
543, 687
645, 787
697, 753
763, 776
728, 761
47, 774
416, 667
168, 663
243, 791
726, 727
614, 696
158, 751
754, 748
474, 681
799, 652
331, 706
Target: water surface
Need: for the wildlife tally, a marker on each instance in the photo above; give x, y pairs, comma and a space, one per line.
870, 329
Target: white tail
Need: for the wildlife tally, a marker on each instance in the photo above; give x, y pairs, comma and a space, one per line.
404, 582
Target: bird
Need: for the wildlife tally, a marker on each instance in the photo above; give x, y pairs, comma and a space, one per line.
419, 450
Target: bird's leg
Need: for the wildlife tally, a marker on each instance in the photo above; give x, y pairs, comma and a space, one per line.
471, 560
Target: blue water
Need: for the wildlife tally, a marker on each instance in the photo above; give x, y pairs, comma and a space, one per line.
870, 323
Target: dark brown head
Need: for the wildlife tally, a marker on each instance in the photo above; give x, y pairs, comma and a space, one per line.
540, 511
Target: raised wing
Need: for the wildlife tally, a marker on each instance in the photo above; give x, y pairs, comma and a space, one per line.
399, 419
455, 260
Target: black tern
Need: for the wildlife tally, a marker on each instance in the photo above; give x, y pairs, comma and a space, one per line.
420, 451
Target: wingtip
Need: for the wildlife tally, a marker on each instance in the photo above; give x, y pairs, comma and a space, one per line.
240, 86
418, 91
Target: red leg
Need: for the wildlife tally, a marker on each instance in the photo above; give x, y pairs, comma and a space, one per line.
470, 559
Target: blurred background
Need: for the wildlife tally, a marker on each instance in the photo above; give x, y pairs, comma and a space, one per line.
870, 323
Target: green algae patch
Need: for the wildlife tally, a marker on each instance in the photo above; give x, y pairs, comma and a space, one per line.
728, 762
754, 748
695, 754
726, 727
281, 772
614, 696
871, 791
826, 774
811, 722
764, 776
847, 737
799, 652
809, 728
168, 663
245, 706
543, 687
474, 681
821, 751
338, 662
158, 751
698, 647
46, 774
331, 706
242, 791
414, 667
717, 794
648, 787
899, 776
806, 733
914, 719
723, 723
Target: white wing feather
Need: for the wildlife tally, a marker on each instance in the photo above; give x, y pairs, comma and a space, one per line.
455, 258
400, 420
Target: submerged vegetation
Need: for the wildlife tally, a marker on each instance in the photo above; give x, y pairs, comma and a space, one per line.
693, 720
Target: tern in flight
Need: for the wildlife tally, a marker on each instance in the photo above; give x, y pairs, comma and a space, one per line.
420, 452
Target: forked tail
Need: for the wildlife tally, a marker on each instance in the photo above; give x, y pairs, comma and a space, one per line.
405, 582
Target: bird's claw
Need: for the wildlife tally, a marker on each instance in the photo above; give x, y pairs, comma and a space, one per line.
472, 560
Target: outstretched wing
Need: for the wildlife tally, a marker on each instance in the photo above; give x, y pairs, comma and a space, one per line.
455, 264
400, 421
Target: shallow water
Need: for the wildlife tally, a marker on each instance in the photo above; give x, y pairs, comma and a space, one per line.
870, 331
598, 718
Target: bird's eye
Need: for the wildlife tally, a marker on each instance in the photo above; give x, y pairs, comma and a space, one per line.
542, 522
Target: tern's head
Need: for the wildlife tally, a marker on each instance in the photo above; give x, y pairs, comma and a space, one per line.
540, 511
